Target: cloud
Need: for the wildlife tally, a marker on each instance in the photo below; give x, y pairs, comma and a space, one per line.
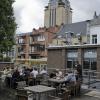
84, 9
30, 13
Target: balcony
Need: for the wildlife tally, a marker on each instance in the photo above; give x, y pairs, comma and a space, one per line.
37, 43
35, 53
22, 53
21, 43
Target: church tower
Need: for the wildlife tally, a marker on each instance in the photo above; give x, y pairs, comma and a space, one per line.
57, 12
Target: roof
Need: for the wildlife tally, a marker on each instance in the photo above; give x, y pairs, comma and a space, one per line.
79, 27
95, 21
73, 46
23, 34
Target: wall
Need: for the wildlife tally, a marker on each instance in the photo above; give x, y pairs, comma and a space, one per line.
57, 55
98, 61
47, 18
95, 30
5, 65
56, 59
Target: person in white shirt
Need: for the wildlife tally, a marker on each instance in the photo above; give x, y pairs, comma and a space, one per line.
59, 73
34, 73
43, 71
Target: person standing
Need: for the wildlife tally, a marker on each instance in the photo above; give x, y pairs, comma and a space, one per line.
79, 71
34, 74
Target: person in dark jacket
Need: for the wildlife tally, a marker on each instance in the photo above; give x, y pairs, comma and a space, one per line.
15, 78
79, 71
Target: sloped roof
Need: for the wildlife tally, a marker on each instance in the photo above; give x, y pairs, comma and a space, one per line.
95, 21
79, 27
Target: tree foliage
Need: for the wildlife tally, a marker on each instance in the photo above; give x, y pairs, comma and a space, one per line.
7, 25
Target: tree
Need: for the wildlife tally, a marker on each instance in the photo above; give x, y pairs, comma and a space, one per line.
7, 26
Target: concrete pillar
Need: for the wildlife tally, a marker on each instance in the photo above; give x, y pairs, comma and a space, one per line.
98, 61
80, 56
64, 58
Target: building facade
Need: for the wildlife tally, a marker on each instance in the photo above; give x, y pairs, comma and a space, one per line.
73, 34
95, 30
65, 57
31, 47
57, 12
85, 32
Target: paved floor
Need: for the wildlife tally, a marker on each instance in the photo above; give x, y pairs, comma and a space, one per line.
85, 98
9, 94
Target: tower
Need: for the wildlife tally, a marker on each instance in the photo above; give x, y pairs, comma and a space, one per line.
57, 12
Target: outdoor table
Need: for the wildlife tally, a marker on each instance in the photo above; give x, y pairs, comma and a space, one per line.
0, 82
39, 89
58, 82
55, 80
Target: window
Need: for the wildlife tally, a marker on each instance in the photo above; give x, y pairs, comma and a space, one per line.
72, 58
94, 39
90, 54
72, 54
90, 64
32, 49
20, 40
90, 59
41, 38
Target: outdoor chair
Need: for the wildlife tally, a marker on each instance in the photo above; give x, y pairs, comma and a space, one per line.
53, 98
39, 79
44, 80
78, 88
30, 81
21, 94
21, 84
72, 88
65, 94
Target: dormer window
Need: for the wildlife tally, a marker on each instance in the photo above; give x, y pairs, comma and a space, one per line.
94, 39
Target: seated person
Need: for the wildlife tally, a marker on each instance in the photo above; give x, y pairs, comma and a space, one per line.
58, 73
70, 78
43, 71
53, 74
34, 73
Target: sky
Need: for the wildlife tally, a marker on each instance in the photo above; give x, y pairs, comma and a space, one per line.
29, 14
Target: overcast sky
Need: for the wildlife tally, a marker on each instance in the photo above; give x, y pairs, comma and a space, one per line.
30, 13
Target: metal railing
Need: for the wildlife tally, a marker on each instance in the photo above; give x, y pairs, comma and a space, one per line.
90, 77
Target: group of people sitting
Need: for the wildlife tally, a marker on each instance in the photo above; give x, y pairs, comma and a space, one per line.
15, 75
70, 76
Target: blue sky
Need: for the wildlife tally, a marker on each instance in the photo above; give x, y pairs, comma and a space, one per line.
30, 13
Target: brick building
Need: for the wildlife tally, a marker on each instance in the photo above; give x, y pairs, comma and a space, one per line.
64, 57
33, 45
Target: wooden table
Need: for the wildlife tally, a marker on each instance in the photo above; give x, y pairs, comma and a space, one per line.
39, 89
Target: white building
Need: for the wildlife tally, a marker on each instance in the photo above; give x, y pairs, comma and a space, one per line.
95, 30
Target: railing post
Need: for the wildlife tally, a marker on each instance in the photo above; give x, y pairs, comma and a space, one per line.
89, 79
